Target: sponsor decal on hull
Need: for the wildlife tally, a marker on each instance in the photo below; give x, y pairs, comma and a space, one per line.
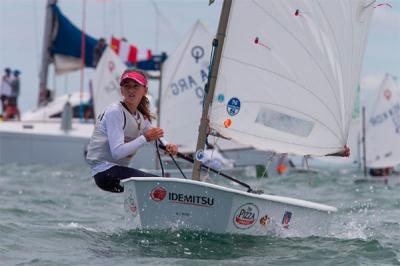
191, 199
286, 219
159, 194
264, 221
245, 216
130, 203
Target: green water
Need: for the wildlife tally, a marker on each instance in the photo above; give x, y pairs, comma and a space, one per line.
57, 216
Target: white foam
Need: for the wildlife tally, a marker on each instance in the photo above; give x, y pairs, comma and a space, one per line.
73, 225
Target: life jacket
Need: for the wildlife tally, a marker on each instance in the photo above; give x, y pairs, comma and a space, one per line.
98, 149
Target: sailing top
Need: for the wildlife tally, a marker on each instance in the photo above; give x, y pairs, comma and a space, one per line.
117, 136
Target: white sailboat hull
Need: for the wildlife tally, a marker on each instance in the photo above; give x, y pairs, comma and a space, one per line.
30, 142
43, 143
172, 203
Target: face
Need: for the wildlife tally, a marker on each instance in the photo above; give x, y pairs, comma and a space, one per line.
132, 92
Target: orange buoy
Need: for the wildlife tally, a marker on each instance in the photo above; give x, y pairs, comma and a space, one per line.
281, 168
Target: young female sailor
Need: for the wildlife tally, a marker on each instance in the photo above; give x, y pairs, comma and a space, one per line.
120, 131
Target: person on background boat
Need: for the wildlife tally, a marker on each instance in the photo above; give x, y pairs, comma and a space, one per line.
5, 88
15, 90
98, 51
120, 131
378, 172
213, 158
11, 110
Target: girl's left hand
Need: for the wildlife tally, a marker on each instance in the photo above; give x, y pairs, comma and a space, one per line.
172, 149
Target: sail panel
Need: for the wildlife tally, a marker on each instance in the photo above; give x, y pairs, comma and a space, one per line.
288, 74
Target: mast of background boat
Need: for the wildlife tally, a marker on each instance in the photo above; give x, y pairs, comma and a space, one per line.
48, 29
83, 47
363, 138
218, 44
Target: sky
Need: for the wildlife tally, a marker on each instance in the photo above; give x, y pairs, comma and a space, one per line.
158, 25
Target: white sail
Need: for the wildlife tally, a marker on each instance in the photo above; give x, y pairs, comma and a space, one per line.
184, 76
289, 72
383, 127
105, 80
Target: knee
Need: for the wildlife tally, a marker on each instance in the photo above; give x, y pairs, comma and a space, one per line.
109, 185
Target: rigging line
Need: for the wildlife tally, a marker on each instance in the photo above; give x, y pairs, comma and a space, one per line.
277, 140
352, 47
104, 18
167, 21
35, 30
298, 111
302, 45
83, 55
121, 19
159, 158
291, 81
157, 24
352, 62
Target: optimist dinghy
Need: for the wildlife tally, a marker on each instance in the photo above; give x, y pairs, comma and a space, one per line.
283, 78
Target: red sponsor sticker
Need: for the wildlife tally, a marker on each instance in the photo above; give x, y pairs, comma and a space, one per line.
158, 193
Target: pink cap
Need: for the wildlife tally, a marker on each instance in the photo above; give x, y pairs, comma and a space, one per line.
136, 76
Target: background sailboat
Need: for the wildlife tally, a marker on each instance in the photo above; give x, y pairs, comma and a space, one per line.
39, 137
383, 126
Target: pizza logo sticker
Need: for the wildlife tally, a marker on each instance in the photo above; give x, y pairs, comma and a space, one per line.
246, 216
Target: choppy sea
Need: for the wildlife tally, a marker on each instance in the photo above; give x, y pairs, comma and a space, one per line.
55, 215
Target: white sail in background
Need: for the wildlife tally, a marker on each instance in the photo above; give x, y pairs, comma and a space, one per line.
355, 134
383, 127
105, 80
184, 76
289, 72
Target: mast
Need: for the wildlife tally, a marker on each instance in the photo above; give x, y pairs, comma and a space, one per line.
48, 29
159, 106
364, 143
201, 140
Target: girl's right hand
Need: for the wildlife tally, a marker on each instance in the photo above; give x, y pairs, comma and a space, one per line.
153, 134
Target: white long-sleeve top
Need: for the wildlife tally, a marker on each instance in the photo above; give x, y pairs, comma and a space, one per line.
117, 136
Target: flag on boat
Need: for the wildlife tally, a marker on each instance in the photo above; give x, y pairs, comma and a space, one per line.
127, 52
